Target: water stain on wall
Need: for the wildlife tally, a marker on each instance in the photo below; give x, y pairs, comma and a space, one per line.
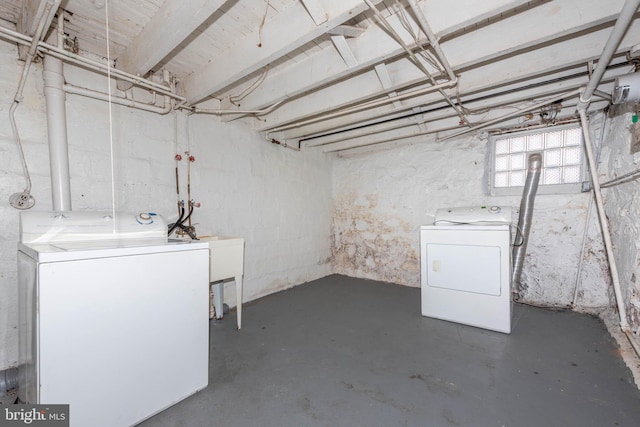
373, 245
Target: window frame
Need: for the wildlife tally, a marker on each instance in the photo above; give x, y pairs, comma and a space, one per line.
570, 188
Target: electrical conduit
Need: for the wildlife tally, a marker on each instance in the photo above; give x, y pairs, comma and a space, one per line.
24, 200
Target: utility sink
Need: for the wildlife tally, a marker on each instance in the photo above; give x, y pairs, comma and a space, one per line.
226, 257
226, 262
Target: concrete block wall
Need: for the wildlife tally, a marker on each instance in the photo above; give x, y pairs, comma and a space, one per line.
30, 120
381, 198
277, 199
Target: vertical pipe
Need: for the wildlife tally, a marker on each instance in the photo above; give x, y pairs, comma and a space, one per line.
57, 133
604, 223
524, 220
622, 23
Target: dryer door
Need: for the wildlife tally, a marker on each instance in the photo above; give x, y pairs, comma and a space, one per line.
468, 268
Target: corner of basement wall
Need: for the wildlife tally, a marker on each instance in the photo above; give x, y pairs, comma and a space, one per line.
277, 199
622, 204
382, 197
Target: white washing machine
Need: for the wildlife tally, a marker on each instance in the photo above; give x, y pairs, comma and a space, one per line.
466, 267
113, 317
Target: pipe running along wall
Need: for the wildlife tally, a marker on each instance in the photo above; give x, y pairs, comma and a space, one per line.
524, 220
44, 16
620, 28
622, 24
57, 134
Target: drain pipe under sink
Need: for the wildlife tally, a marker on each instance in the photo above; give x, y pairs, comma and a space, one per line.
524, 221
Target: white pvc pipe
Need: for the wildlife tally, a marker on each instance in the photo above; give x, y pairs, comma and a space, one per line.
223, 112
604, 223
57, 134
89, 93
73, 58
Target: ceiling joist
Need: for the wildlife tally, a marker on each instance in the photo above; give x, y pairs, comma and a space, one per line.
169, 27
483, 72
372, 47
247, 57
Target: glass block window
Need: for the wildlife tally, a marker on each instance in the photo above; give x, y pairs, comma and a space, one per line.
562, 157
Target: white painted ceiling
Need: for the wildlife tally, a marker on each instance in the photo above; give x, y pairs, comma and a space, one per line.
332, 71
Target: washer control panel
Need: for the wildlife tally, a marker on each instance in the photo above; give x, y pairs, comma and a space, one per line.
68, 226
474, 215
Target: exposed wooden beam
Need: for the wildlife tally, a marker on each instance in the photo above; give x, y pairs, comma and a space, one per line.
565, 21
344, 50
410, 127
169, 27
347, 31
285, 32
385, 80
32, 14
317, 12
511, 71
373, 46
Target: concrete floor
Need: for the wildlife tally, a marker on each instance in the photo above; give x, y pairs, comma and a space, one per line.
349, 352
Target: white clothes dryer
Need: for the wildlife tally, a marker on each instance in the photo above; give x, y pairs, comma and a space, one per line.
466, 267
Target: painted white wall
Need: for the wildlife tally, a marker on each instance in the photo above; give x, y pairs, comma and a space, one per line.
623, 208
303, 215
277, 199
381, 198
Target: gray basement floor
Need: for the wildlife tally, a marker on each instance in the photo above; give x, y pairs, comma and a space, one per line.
349, 352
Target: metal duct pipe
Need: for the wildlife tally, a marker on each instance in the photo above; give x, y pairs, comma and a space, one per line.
57, 132
524, 220
8, 380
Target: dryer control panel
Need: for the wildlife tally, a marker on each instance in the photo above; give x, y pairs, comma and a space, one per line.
474, 215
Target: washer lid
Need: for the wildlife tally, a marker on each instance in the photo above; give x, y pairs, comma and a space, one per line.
474, 215
77, 226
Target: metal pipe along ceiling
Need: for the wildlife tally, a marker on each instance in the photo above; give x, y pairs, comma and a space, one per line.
422, 21
388, 100
73, 58
620, 28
